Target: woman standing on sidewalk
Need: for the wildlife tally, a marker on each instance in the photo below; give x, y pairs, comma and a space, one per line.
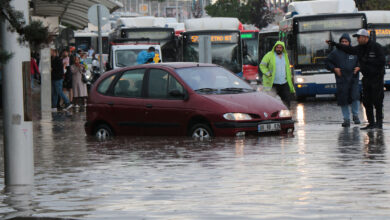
67, 87
79, 88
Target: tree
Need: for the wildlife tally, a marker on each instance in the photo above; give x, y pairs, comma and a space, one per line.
258, 13
373, 4
224, 8
253, 11
34, 33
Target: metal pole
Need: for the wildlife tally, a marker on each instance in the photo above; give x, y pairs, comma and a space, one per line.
204, 49
177, 11
100, 39
45, 67
18, 129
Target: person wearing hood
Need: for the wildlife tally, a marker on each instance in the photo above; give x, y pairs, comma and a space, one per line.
275, 67
372, 62
346, 70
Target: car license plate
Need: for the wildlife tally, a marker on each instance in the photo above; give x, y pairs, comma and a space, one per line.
268, 127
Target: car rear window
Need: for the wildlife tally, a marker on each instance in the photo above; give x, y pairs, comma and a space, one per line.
105, 84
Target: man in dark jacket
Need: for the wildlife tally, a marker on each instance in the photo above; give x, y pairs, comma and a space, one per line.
372, 65
57, 78
345, 67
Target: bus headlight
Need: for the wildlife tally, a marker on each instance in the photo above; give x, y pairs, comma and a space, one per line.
284, 114
300, 80
237, 116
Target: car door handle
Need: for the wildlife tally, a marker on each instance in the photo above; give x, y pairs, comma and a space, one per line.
110, 103
149, 106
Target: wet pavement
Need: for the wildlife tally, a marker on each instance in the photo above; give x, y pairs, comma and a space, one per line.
323, 171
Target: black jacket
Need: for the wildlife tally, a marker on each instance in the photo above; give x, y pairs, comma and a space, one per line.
348, 82
57, 68
371, 60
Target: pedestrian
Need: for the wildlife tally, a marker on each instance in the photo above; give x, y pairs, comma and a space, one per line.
91, 51
67, 86
57, 78
372, 65
275, 67
34, 70
79, 88
146, 56
345, 67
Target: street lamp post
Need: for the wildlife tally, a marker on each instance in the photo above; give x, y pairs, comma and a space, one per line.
18, 129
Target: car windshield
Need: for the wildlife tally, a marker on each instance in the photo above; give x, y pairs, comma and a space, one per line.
213, 79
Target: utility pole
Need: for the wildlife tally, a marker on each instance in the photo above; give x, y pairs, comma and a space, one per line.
18, 129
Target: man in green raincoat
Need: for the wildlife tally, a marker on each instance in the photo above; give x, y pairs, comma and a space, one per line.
275, 67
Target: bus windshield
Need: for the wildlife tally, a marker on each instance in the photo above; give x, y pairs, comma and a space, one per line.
385, 42
226, 53
127, 57
312, 49
250, 56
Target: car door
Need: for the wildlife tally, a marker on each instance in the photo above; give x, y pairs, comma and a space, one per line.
165, 114
127, 102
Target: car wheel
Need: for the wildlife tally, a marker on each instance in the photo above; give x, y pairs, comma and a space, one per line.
103, 132
201, 131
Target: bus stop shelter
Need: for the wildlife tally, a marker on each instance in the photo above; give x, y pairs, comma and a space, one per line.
72, 13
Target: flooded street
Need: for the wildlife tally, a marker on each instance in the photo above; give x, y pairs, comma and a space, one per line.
322, 171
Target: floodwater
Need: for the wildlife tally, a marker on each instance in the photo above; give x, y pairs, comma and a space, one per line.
323, 171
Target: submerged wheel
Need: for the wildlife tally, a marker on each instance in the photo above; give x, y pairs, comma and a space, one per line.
201, 131
103, 132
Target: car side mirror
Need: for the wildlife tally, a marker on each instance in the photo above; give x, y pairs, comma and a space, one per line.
177, 94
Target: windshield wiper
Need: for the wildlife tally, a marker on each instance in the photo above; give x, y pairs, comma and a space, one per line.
206, 90
121, 64
234, 89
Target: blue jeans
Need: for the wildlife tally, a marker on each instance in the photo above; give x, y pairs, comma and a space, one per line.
354, 108
56, 90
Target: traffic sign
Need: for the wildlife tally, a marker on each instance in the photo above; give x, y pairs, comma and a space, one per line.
93, 15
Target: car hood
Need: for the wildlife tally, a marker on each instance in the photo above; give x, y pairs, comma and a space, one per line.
253, 102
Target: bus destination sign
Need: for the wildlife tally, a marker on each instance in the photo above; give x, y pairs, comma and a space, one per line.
330, 24
382, 32
230, 38
247, 36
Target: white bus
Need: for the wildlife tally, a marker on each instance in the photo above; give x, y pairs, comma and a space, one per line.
133, 35
305, 29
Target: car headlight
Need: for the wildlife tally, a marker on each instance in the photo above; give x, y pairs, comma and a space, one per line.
88, 75
300, 80
284, 114
237, 116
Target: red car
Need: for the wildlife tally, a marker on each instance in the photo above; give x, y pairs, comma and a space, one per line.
199, 100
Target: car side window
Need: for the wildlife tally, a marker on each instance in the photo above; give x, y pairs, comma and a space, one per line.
161, 83
105, 84
130, 84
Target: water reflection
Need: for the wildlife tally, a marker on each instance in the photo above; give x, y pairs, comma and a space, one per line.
19, 199
374, 145
300, 114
